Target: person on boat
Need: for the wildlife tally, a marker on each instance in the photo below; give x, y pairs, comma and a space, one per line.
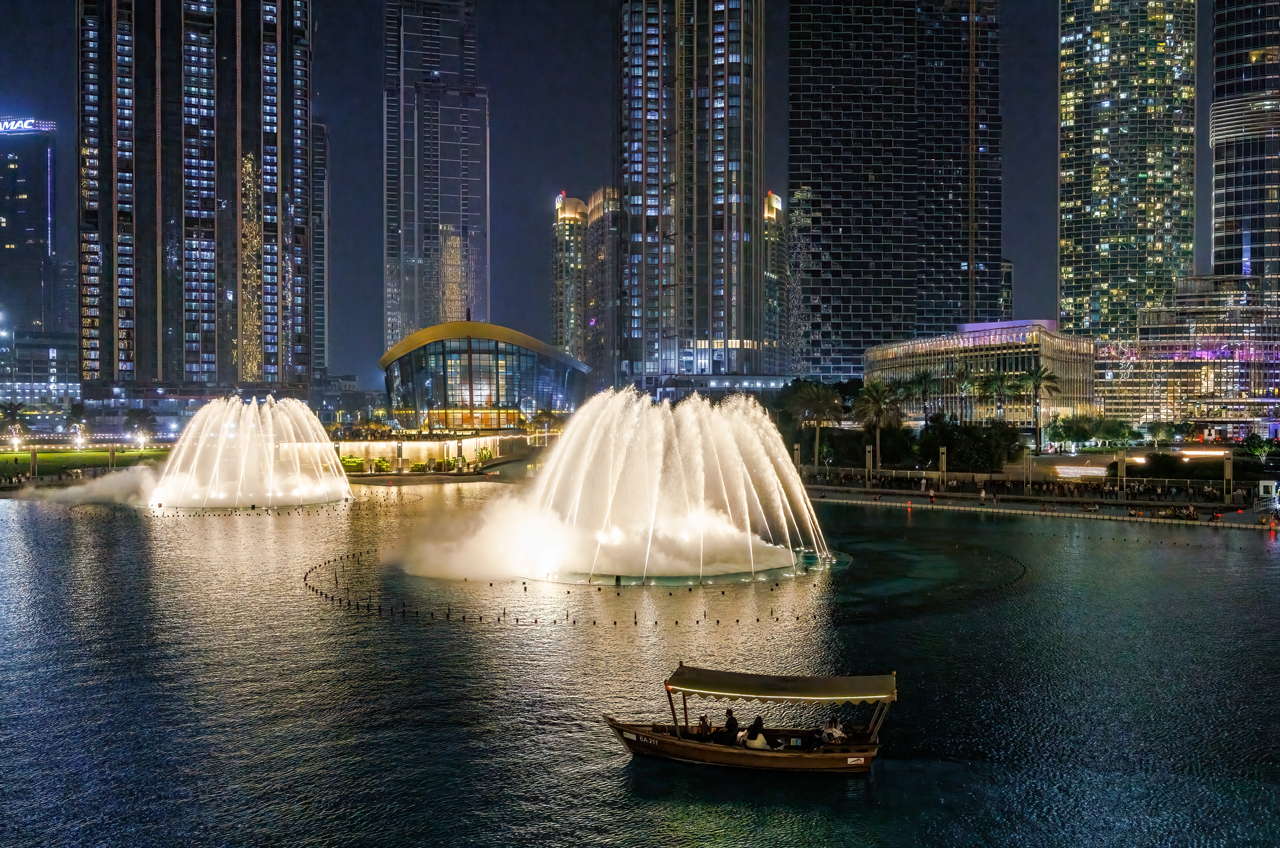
755, 736
704, 727
729, 733
832, 732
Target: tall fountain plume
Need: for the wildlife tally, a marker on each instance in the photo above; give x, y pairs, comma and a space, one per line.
262, 453
693, 489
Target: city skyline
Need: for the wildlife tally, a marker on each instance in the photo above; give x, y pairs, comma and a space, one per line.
533, 159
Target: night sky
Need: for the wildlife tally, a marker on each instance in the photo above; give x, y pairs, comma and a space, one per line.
547, 66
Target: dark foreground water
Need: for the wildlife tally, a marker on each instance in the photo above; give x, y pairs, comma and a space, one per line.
169, 681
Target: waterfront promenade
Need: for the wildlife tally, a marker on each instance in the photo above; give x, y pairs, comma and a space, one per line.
1232, 517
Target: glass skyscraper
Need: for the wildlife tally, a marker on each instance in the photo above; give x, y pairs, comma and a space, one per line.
691, 187
29, 291
194, 196
894, 162
603, 294
720, 196
1127, 163
568, 272
1246, 138
648, 341
319, 248
436, 168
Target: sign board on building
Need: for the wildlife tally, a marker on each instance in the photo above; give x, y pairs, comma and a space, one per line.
16, 125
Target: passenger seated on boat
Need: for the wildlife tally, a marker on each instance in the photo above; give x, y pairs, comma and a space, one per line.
755, 736
832, 732
728, 735
704, 727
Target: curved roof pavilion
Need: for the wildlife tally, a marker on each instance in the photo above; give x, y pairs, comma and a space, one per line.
476, 330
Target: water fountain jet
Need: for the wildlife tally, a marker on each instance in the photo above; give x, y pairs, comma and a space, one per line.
234, 454
694, 489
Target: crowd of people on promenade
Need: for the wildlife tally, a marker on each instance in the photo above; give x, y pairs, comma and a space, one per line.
1170, 491
10, 481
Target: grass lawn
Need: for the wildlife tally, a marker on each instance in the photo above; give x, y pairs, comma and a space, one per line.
55, 462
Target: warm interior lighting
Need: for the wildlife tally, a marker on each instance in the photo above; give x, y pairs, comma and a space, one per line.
1080, 471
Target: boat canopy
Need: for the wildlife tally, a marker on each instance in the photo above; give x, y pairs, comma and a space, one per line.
732, 686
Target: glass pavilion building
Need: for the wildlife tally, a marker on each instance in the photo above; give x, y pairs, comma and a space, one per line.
468, 375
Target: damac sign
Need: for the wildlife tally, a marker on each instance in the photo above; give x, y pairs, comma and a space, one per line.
17, 124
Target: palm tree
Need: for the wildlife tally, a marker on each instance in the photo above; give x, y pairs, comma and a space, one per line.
545, 420
923, 385
1000, 387
879, 406
11, 417
1040, 381
966, 386
10, 413
815, 403
140, 422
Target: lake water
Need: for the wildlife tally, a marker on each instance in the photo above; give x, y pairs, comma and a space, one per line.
171, 681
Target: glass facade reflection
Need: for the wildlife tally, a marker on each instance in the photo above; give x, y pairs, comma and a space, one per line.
474, 376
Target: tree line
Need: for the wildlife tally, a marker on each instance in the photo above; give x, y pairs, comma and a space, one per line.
880, 405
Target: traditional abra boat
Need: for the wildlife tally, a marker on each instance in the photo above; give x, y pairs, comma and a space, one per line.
791, 749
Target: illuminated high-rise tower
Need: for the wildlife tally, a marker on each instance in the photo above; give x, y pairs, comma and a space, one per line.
319, 248
1126, 162
568, 272
691, 187
603, 292
1246, 138
194, 193
29, 290
435, 168
720, 197
648, 343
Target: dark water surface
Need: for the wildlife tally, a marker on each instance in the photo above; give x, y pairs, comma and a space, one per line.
170, 681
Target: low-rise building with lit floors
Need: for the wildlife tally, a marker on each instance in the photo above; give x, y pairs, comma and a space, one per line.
1211, 356
960, 362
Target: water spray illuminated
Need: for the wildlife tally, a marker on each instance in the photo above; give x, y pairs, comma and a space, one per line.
662, 490
266, 454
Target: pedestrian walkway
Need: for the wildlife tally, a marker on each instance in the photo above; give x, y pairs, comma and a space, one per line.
1233, 518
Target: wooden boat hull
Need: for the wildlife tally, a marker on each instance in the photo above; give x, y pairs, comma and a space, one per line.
650, 740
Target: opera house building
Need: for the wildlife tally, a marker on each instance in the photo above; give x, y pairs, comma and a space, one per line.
473, 376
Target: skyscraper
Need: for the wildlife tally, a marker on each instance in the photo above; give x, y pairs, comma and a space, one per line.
28, 235
436, 168
776, 290
1127, 162
691, 185
720, 197
603, 292
1245, 136
194, 218
648, 338
895, 159
319, 248
568, 270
